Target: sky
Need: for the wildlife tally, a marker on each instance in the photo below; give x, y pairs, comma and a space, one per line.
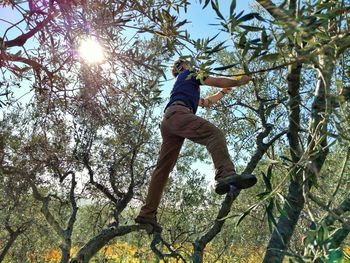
202, 18
199, 18
200, 21
198, 27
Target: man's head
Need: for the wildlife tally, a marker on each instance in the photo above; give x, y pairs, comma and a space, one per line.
179, 66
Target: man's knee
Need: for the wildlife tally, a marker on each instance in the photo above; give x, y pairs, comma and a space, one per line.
218, 134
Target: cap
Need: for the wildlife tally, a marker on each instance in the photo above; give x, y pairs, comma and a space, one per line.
177, 66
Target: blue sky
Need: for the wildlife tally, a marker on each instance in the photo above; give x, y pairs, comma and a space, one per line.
8, 14
200, 21
201, 18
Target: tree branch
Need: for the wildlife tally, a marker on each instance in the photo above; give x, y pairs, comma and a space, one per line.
201, 243
45, 210
277, 13
34, 64
22, 39
343, 43
14, 234
100, 240
73, 202
157, 239
293, 79
99, 186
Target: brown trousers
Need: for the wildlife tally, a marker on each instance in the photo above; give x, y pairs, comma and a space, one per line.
179, 123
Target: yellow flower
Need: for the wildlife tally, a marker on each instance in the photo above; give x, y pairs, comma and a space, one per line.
109, 251
52, 256
346, 251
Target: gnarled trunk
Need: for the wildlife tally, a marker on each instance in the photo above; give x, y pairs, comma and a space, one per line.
302, 179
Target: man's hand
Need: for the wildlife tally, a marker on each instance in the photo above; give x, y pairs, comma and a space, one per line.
213, 99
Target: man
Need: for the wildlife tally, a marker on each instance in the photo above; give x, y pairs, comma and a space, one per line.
180, 122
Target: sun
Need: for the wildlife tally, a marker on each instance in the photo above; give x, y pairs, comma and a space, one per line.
91, 51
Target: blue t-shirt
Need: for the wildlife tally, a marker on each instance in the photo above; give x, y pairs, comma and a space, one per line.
186, 89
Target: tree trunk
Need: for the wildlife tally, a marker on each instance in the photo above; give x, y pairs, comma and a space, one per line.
85, 254
9, 243
295, 201
65, 249
200, 244
283, 232
198, 252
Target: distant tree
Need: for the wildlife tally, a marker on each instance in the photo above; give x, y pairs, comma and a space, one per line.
15, 205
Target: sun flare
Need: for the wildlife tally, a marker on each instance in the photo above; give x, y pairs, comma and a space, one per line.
91, 51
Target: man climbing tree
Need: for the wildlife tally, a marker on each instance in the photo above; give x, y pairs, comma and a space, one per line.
180, 122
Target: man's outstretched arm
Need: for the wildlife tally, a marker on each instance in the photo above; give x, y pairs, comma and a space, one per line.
226, 82
213, 99
226, 85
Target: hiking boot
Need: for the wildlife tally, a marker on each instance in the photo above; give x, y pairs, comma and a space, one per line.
241, 181
149, 221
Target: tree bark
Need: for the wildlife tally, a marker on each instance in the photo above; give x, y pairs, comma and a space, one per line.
9, 244
283, 232
64, 234
281, 236
99, 241
200, 244
286, 224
